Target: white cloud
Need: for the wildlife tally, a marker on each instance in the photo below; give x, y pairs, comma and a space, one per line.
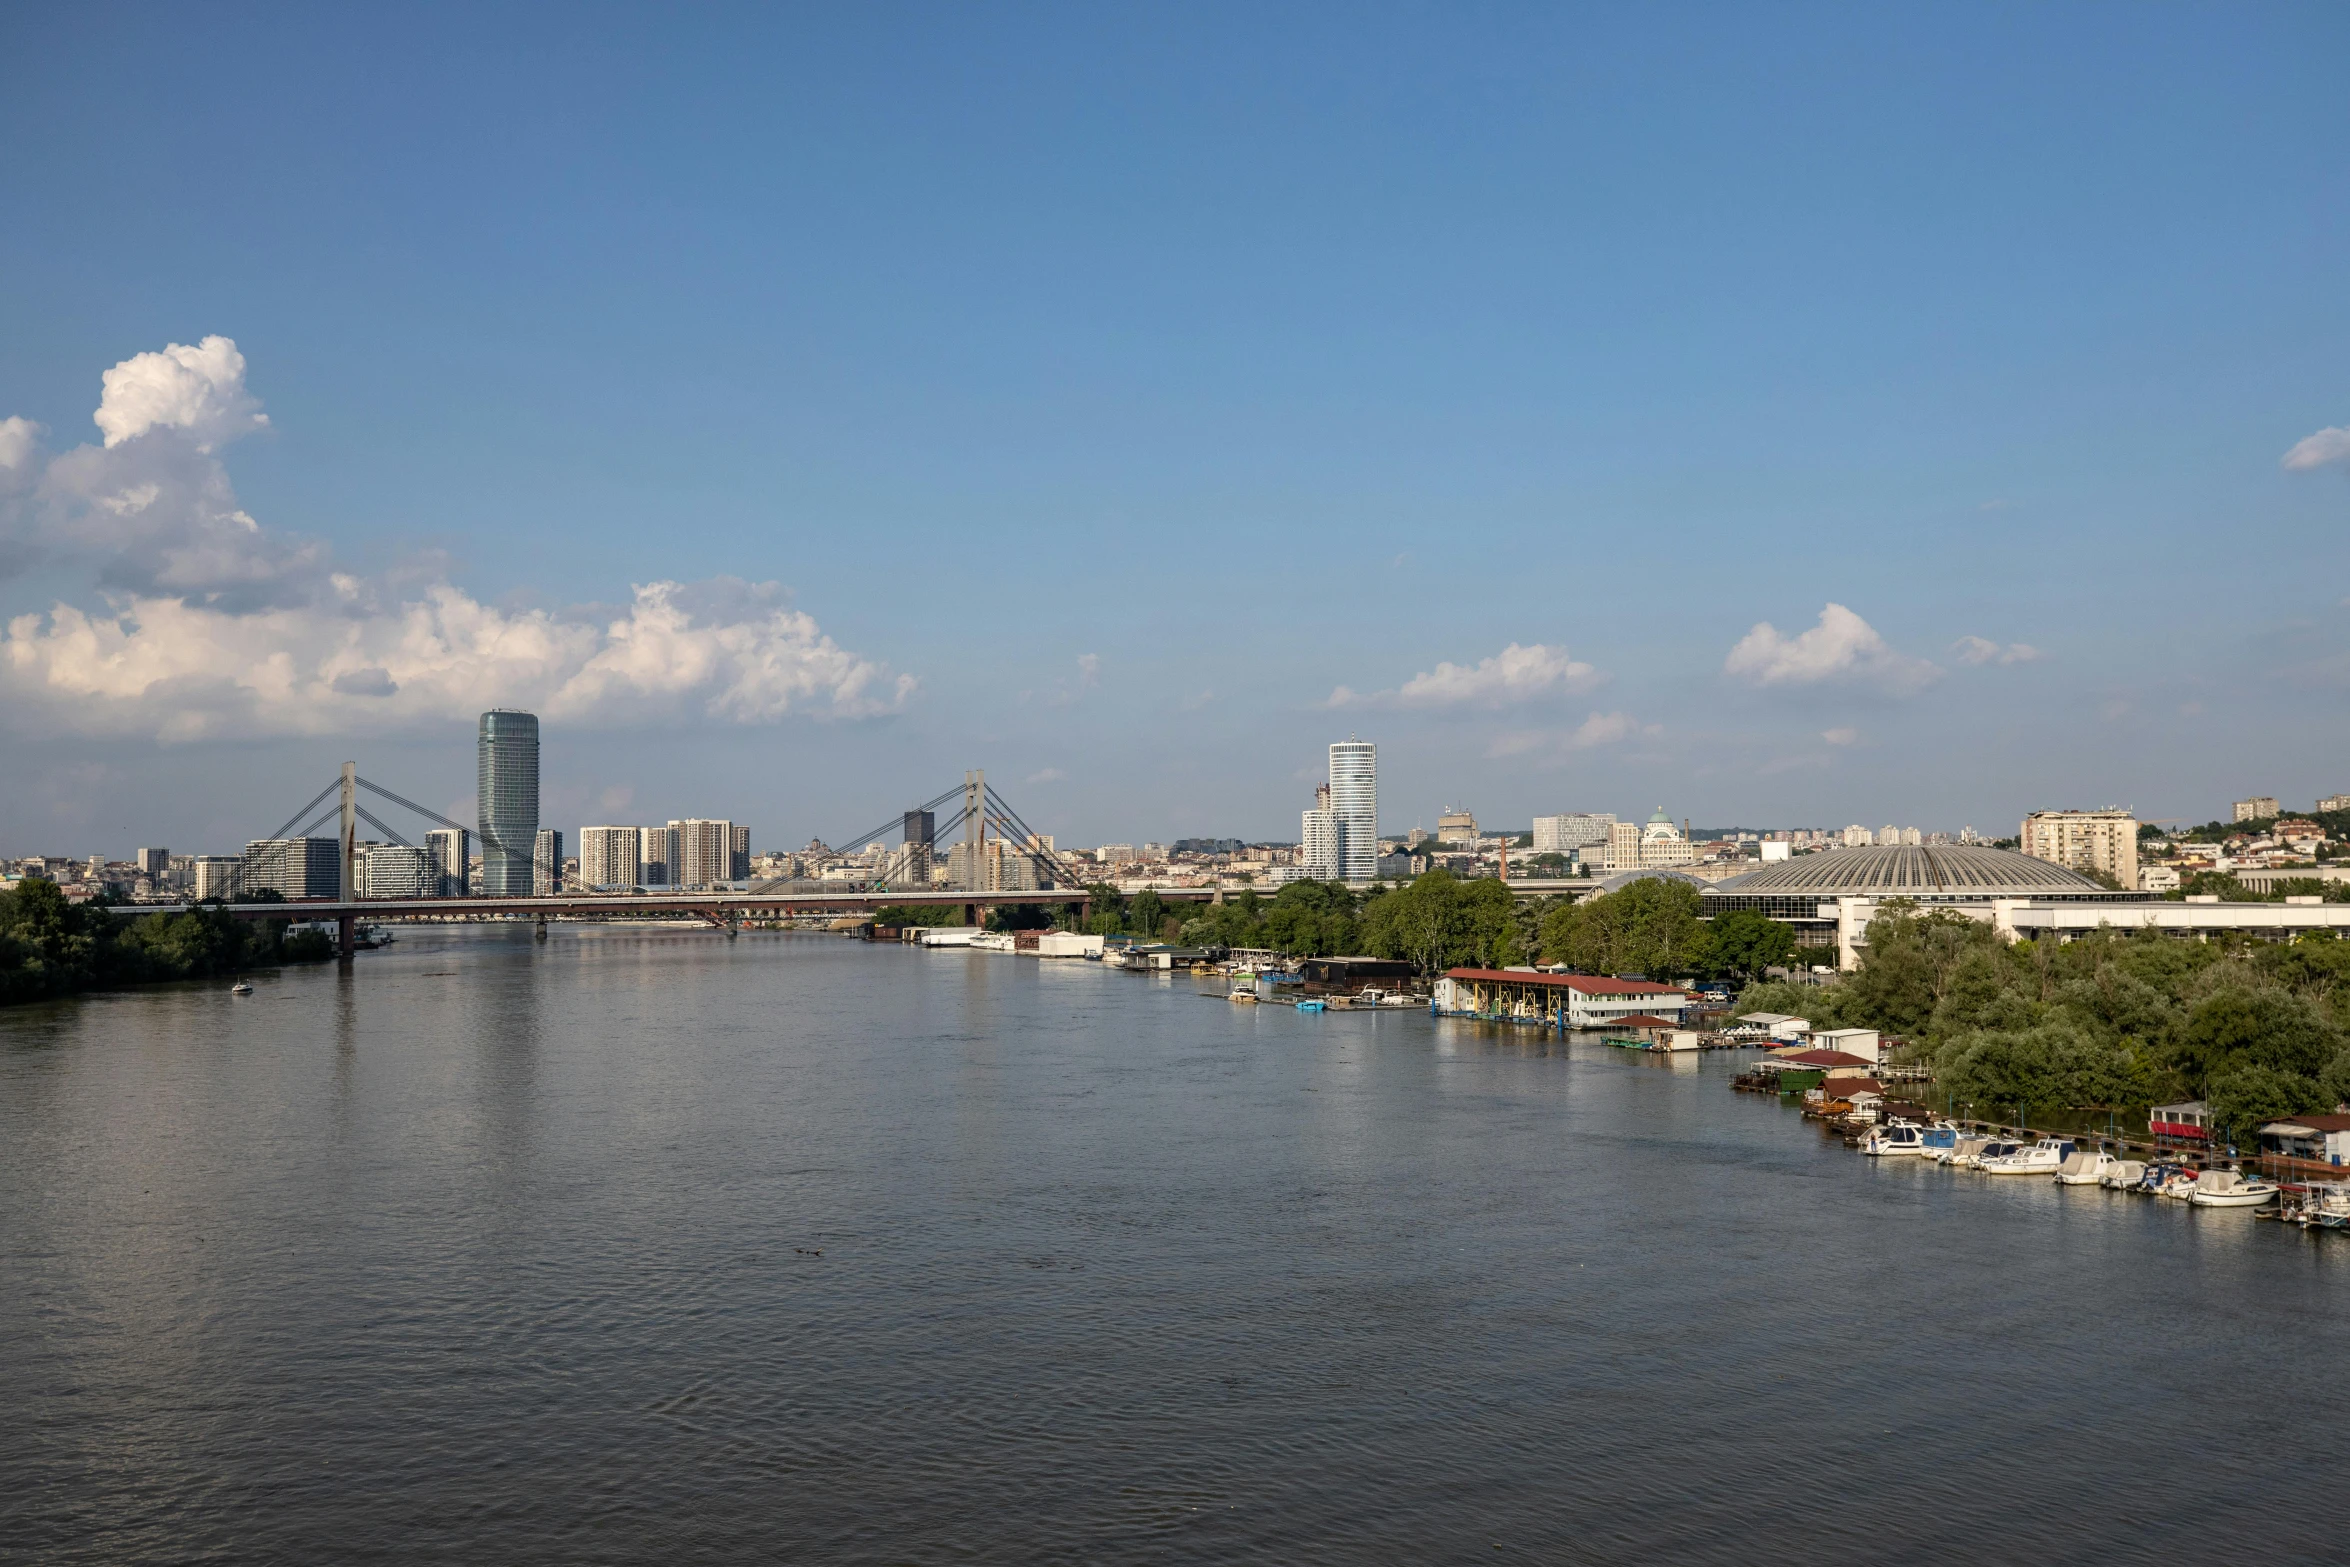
1514, 675
1842, 649
1048, 775
2329, 445
1982, 650
183, 671
200, 390
1597, 730
1843, 736
214, 626
19, 439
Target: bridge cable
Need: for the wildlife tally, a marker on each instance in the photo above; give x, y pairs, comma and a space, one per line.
307, 809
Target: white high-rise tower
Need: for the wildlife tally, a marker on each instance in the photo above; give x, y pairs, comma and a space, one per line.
1354, 802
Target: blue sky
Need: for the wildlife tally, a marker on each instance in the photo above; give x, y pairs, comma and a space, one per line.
1134, 382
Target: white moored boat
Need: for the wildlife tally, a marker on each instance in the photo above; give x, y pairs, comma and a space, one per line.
2229, 1189
2122, 1174
1899, 1138
2044, 1157
2085, 1169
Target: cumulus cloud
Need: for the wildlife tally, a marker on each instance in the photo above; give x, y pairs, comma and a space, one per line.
215, 626
1842, 649
2330, 445
1982, 650
1512, 676
19, 440
199, 390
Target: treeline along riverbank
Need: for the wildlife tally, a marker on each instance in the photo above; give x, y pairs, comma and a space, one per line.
49, 947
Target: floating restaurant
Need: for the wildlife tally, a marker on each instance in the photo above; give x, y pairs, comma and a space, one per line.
1527, 995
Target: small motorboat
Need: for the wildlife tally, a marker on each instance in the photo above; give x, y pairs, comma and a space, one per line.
2229, 1189
2123, 1175
243, 987
1989, 1149
2044, 1157
2178, 1184
1900, 1137
2330, 1207
1937, 1142
1313, 1006
2082, 1168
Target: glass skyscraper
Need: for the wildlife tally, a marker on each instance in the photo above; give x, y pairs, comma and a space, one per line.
1354, 801
509, 791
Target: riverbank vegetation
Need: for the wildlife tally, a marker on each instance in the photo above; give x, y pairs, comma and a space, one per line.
1438, 921
49, 947
2107, 1022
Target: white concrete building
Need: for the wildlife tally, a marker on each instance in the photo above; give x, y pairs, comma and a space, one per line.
2259, 808
2104, 840
1573, 831
1858, 837
610, 858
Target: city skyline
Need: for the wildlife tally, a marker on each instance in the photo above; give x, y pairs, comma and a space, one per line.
2021, 497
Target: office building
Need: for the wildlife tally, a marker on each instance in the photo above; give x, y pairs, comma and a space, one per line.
293, 867
1622, 852
451, 851
2104, 841
738, 859
508, 776
1572, 832
2257, 809
1354, 801
393, 870
155, 865
546, 862
610, 858
215, 876
1456, 828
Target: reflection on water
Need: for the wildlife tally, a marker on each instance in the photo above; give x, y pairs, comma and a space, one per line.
643, 1243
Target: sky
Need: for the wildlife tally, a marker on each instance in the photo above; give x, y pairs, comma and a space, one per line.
1779, 416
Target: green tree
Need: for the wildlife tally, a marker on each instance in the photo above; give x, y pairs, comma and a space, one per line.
2245, 1096
1746, 943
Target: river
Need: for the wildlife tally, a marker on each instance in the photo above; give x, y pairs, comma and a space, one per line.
640, 1245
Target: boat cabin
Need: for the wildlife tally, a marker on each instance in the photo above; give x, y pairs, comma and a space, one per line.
2189, 1122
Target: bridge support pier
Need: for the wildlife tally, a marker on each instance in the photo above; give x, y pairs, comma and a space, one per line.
971, 914
346, 937
540, 933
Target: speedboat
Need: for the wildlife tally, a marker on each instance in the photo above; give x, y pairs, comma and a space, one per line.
243, 987
1313, 1006
2044, 1157
2122, 1175
2229, 1189
1991, 1148
1898, 1138
2081, 1168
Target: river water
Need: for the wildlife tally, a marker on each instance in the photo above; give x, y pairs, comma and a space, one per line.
644, 1245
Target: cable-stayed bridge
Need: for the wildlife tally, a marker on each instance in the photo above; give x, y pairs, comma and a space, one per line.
998, 847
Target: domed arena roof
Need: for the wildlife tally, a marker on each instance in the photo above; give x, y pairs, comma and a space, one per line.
1623, 879
1895, 871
